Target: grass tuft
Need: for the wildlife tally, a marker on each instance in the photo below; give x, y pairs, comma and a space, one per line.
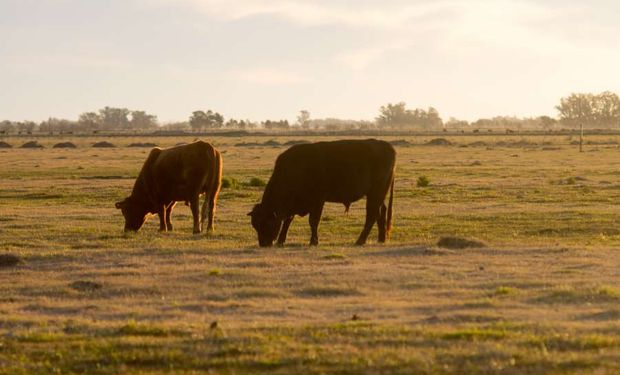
423, 181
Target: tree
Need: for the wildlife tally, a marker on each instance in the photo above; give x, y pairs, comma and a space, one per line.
602, 110
547, 123
607, 110
7, 126
282, 124
198, 120
89, 121
216, 120
398, 116
303, 119
114, 118
456, 124
392, 115
142, 120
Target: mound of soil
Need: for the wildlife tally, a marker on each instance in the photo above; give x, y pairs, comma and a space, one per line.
142, 145
31, 144
478, 144
400, 142
268, 143
85, 285
523, 143
9, 260
5, 145
439, 142
458, 243
64, 145
295, 142
103, 144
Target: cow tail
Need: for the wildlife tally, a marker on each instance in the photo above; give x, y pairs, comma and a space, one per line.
216, 182
388, 228
217, 176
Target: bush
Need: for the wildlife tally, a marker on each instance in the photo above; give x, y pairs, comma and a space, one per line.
257, 182
423, 181
230, 183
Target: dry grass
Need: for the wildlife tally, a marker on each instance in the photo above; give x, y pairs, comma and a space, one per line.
541, 298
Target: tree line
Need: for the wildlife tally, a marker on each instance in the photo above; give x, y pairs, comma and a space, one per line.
594, 111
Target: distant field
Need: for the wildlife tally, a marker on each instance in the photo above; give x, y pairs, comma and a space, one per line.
542, 298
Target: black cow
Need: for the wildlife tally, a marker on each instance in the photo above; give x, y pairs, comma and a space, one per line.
308, 175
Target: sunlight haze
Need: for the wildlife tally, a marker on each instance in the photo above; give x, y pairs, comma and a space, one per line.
269, 59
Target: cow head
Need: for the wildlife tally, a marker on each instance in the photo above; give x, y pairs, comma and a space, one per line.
134, 213
266, 224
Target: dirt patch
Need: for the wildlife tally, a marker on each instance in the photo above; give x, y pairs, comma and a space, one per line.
269, 143
138, 144
459, 243
103, 144
523, 143
477, 144
64, 145
9, 260
31, 144
5, 145
439, 142
328, 291
85, 286
400, 142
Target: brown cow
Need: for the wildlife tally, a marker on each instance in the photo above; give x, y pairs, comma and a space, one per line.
175, 174
308, 175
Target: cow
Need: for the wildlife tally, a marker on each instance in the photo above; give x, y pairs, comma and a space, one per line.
306, 176
180, 173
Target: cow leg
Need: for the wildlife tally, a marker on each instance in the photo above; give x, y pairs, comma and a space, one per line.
162, 218
284, 230
169, 215
314, 219
203, 211
212, 203
372, 212
194, 206
381, 223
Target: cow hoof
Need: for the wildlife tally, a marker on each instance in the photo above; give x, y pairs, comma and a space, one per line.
359, 243
280, 244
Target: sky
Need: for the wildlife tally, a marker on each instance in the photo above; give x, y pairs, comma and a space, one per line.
257, 59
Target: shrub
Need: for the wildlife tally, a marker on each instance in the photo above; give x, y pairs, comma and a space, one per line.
230, 183
423, 181
258, 182
215, 272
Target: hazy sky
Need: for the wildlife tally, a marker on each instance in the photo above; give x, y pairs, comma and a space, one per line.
269, 59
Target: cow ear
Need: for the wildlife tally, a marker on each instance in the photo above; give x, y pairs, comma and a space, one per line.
120, 204
250, 213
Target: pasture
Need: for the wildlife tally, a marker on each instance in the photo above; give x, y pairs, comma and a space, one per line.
542, 297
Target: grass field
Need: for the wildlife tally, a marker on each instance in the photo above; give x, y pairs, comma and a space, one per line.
543, 297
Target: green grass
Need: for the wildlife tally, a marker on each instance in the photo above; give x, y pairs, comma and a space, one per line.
540, 298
